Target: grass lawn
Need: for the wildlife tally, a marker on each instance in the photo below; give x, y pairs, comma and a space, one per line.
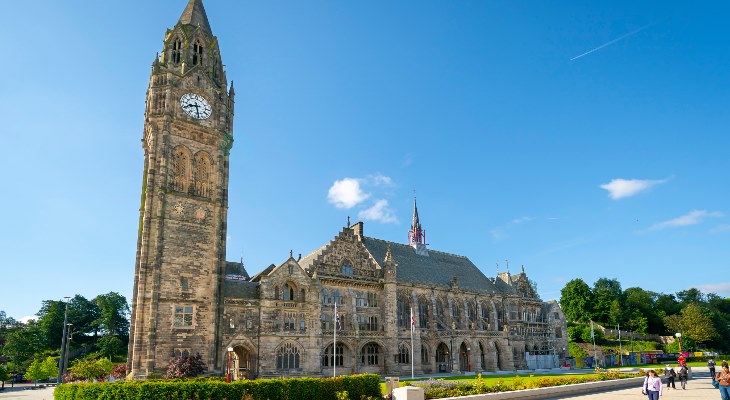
489, 379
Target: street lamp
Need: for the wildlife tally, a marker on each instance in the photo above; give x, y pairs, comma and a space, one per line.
228, 374
69, 335
679, 341
61, 366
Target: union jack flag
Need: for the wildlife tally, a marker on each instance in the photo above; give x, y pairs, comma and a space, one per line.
413, 321
337, 318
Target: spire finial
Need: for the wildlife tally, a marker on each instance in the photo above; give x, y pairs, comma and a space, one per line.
291, 253
388, 256
348, 221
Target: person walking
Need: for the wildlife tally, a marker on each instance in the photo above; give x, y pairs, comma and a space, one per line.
723, 377
652, 385
683, 375
670, 375
711, 366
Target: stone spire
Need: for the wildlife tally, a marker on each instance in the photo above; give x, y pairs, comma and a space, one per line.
417, 235
194, 14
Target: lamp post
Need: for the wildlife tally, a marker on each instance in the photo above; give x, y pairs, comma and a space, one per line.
228, 371
679, 341
69, 335
451, 350
61, 366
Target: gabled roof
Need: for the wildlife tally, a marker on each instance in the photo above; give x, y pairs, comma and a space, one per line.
436, 269
194, 14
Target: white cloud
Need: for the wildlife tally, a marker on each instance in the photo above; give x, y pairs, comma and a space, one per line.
346, 193
713, 287
380, 180
692, 218
620, 188
720, 229
498, 234
30, 317
521, 220
380, 212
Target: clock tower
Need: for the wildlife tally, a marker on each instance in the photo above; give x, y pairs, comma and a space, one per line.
181, 245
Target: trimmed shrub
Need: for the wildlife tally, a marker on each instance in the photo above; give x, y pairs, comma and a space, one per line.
356, 386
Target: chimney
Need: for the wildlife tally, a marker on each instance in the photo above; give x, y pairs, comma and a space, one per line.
357, 230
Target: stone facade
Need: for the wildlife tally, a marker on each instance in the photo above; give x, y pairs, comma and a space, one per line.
282, 322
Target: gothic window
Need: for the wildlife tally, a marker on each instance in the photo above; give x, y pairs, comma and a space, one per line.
288, 357
370, 354
471, 313
276, 292
481, 357
403, 356
335, 295
403, 313
326, 321
176, 51
288, 293
197, 53
367, 322
440, 322
346, 268
202, 175
442, 353
329, 359
325, 296
424, 355
183, 316
181, 169
456, 315
422, 314
290, 321
372, 299
485, 317
184, 283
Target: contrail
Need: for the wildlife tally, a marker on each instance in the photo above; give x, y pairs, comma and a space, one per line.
611, 42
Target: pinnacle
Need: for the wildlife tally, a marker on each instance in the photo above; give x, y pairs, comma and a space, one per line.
194, 14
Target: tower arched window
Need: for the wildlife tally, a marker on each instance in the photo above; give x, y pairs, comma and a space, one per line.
197, 53
202, 175
176, 51
288, 356
181, 169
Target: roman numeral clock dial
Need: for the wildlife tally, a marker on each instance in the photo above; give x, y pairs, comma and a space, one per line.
195, 106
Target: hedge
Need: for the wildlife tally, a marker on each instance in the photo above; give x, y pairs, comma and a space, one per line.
357, 386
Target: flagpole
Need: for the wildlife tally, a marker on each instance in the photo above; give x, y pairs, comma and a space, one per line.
413, 352
334, 344
620, 348
593, 336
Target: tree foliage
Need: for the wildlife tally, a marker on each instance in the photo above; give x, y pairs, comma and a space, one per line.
109, 345
113, 314
693, 323
41, 369
91, 369
576, 300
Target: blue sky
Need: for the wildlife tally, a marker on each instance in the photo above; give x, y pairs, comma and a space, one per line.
613, 164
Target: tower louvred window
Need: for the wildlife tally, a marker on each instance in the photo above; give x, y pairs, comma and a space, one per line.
176, 51
202, 175
180, 169
197, 53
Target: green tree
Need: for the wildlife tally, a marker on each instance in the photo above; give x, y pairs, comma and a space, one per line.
50, 320
23, 342
84, 315
110, 345
693, 323
691, 295
91, 369
4, 375
40, 369
575, 300
605, 291
113, 314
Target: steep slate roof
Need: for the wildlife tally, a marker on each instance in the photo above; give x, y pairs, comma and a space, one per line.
194, 14
437, 268
240, 290
236, 268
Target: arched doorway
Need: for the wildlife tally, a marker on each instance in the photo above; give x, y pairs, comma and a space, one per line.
243, 363
442, 358
464, 358
498, 355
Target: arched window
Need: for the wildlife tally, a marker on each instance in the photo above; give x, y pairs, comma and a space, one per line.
471, 314
424, 355
403, 356
482, 365
346, 268
456, 314
423, 314
325, 296
370, 354
180, 169
329, 359
202, 175
440, 317
176, 51
288, 293
197, 53
403, 312
276, 292
288, 357
485, 317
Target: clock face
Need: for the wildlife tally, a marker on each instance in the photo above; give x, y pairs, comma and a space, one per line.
195, 106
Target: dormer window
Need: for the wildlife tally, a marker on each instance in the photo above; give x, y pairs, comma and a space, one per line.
197, 53
176, 51
346, 268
